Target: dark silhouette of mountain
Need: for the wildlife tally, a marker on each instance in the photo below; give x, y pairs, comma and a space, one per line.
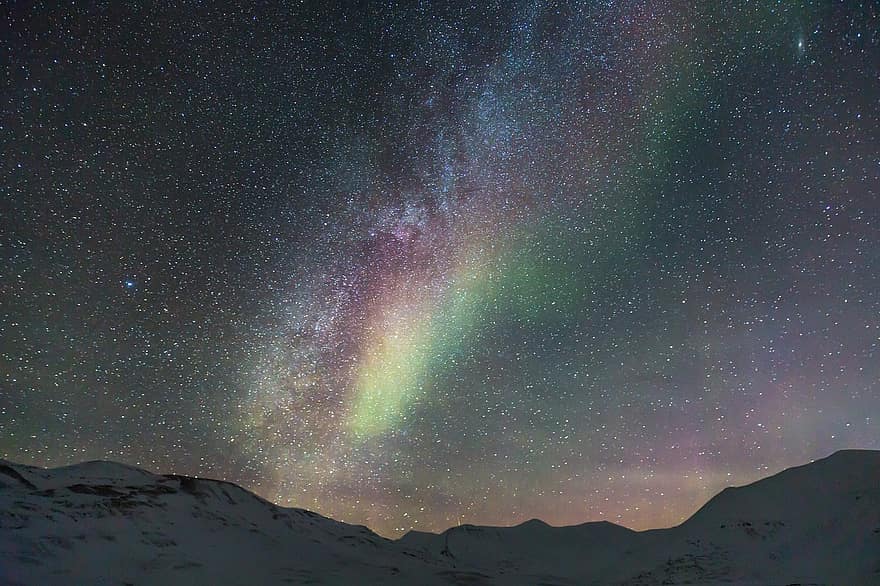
109, 523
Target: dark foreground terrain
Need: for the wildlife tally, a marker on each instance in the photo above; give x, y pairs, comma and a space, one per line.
108, 523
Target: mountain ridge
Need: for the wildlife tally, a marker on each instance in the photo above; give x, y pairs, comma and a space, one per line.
101, 521
8, 465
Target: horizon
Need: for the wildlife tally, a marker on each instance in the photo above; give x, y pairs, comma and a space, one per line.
406, 264
477, 524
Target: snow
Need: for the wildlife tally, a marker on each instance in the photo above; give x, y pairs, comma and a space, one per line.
108, 523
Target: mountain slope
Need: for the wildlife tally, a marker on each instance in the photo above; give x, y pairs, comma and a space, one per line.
813, 524
108, 523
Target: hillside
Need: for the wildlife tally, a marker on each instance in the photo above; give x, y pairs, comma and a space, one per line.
109, 523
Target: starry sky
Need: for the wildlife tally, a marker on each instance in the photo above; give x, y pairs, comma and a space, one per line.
417, 264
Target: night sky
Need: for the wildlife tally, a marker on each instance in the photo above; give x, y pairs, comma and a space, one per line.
416, 264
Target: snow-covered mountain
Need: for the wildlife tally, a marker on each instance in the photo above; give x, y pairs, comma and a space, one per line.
108, 523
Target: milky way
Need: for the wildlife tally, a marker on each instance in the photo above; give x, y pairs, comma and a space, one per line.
412, 265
